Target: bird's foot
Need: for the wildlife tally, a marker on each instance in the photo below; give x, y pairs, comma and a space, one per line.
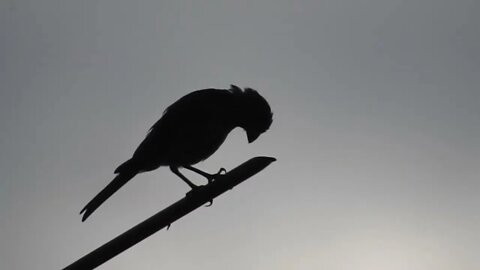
212, 177
209, 203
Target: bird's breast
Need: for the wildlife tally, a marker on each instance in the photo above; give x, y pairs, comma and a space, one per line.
195, 145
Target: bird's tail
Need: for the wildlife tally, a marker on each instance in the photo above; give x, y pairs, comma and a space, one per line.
111, 188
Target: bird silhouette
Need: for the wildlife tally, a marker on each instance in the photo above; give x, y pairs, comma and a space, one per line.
189, 131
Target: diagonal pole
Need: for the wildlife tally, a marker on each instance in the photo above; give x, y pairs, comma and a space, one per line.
167, 216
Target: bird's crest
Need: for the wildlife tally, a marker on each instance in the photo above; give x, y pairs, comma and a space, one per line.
259, 112
235, 89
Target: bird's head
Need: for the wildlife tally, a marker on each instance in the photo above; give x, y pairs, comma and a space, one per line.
254, 113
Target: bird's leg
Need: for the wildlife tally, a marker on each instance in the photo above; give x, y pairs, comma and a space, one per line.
210, 177
175, 170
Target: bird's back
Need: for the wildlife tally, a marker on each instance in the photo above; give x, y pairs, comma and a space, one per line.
189, 131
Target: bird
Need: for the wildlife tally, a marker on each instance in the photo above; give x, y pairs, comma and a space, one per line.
189, 131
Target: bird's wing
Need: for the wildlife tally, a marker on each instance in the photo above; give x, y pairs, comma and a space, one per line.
192, 108
185, 116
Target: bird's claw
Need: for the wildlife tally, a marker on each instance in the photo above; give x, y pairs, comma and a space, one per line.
209, 203
221, 171
214, 176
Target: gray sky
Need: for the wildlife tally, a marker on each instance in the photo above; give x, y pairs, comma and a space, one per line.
376, 129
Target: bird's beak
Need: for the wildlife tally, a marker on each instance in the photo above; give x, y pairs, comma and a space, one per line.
252, 136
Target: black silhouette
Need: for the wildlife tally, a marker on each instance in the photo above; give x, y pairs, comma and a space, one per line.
189, 131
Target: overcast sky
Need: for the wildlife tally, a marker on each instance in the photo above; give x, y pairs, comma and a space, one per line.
376, 131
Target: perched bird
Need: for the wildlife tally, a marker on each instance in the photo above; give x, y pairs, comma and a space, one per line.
189, 131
